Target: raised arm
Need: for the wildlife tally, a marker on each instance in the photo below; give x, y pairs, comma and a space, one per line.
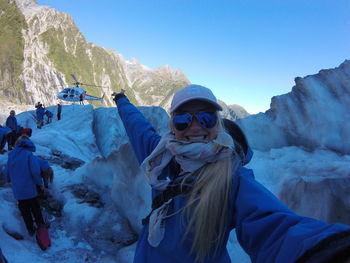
142, 136
270, 232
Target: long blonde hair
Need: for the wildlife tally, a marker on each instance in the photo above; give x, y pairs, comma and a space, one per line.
208, 203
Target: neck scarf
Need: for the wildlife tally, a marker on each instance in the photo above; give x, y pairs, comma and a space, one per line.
191, 156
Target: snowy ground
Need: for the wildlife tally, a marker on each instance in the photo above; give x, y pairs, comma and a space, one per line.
76, 236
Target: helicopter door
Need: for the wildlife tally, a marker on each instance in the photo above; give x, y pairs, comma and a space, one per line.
72, 91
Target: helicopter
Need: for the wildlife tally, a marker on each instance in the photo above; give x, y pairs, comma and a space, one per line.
75, 94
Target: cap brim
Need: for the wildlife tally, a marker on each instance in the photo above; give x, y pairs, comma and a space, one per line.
215, 104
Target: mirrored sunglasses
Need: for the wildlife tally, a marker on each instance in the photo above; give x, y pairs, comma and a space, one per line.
206, 119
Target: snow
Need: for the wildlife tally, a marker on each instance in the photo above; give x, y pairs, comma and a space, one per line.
101, 231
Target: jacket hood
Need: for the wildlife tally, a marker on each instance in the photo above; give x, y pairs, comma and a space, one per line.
26, 144
242, 145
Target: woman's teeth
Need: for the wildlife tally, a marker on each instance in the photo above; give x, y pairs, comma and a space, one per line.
196, 138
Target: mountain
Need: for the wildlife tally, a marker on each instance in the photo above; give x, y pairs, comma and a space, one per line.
232, 112
42, 47
239, 110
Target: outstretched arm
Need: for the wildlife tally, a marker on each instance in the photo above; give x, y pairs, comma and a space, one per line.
141, 134
270, 232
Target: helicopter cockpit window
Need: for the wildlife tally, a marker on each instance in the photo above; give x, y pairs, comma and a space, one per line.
66, 90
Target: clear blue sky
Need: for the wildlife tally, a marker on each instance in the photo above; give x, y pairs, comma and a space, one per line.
246, 51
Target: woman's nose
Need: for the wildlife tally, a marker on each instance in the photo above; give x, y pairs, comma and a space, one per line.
195, 125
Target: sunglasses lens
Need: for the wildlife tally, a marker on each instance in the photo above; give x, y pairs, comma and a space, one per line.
207, 119
182, 121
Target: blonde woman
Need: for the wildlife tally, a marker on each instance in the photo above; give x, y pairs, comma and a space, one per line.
200, 192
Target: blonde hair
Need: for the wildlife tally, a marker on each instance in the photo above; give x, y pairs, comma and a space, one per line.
208, 203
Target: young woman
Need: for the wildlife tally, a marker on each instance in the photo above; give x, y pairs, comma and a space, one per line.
201, 192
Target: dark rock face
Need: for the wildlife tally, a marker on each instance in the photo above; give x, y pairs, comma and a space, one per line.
86, 195
65, 161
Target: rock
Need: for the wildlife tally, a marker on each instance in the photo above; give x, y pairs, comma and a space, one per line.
87, 196
66, 162
11, 232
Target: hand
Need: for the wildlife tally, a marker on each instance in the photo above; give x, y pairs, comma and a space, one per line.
118, 95
122, 91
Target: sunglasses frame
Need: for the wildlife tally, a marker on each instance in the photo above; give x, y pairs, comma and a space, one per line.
200, 120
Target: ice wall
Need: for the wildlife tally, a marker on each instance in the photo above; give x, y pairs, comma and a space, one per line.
313, 115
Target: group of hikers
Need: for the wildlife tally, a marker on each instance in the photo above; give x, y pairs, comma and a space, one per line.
28, 174
41, 112
201, 190
10, 132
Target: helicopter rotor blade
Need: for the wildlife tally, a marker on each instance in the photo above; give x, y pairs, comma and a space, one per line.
90, 85
75, 79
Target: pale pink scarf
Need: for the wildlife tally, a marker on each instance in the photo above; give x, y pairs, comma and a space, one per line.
190, 156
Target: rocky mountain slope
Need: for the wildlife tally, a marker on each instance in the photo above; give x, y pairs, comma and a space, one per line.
41, 47
49, 48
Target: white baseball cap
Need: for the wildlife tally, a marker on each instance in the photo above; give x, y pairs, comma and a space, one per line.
193, 92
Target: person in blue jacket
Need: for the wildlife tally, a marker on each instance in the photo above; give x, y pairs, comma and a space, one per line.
59, 110
23, 172
40, 112
11, 122
49, 115
4, 134
201, 191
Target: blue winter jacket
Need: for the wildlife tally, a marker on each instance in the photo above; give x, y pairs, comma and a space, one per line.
2, 257
267, 230
40, 112
11, 122
23, 170
49, 114
3, 131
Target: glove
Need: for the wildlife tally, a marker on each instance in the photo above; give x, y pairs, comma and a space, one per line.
118, 95
47, 174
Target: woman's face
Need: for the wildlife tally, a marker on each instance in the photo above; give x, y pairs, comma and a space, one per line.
195, 132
